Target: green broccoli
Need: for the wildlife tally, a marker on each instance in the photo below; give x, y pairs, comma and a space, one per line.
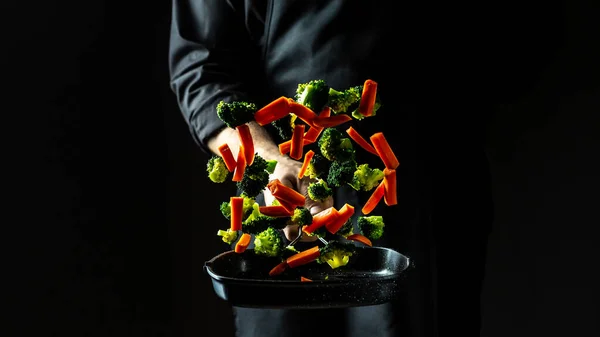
371, 226
336, 254
341, 172
258, 222
335, 146
366, 178
341, 101
319, 232
284, 127
300, 217
268, 243
347, 229
217, 170
318, 167
235, 113
319, 191
256, 176
248, 207
314, 94
228, 236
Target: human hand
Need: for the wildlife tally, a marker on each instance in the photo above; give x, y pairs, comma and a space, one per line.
286, 171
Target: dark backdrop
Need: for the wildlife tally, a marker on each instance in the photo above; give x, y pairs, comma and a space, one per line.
108, 217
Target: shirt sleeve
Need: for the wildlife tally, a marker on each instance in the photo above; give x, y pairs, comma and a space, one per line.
209, 61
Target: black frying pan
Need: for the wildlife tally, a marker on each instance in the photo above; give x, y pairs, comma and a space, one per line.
373, 276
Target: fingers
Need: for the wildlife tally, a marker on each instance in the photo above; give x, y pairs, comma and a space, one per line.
291, 233
313, 206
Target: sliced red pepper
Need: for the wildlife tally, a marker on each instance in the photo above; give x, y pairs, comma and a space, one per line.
243, 243
237, 212
273, 111
278, 269
305, 279
301, 111
389, 179
355, 136
314, 131
360, 238
344, 214
297, 146
374, 199
321, 219
274, 211
282, 192
307, 158
304, 257
367, 98
285, 147
384, 151
227, 156
240, 166
245, 138
285, 204
331, 121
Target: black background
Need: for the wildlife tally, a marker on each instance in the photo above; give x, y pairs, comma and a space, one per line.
106, 227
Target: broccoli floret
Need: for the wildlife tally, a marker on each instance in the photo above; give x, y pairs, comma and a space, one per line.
340, 101
335, 146
228, 236
366, 178
300, 217
217, 170
247, 208
341, 172
256, 177
319, 191
371, 226
258, 222
284, 127
268, 243
336, 254
236, 113
318, 167
314, 94
347, 229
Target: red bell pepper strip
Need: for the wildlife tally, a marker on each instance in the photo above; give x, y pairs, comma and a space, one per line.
360, 238
389, 181
314, 131
245, 138
301, 111
374, 199
273, 111
321, 219
237, 212
384, 151
285, 147
367, 98
285, 193
227, 156
304, 257
243, 243
274, 211
331, 121
297, 146
355, 136
344, 214
307, 158
278, 269
240, 166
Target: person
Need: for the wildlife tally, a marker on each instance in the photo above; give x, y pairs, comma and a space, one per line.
435, 88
